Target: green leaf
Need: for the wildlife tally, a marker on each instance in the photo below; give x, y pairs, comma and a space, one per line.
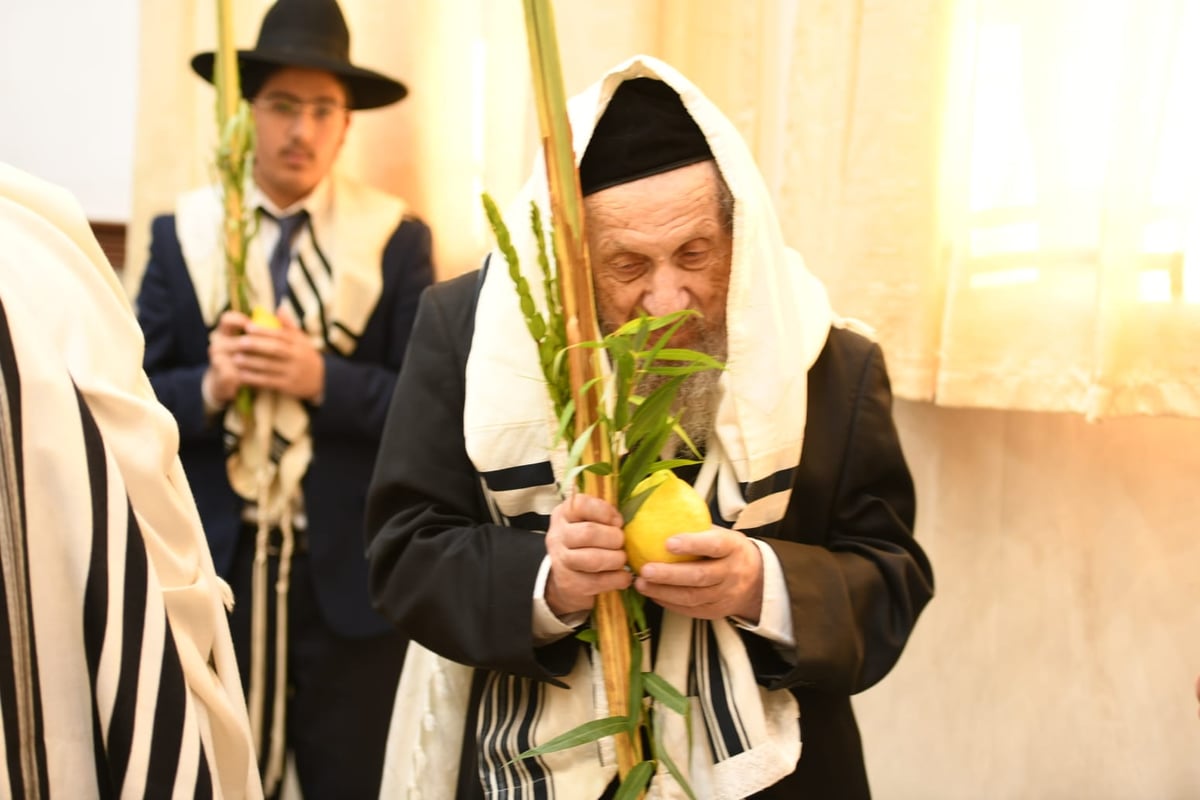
576, 452
630, 507
591, 731
665, 337
652, 323
637, 780
661, 752
662, 691
651, 411
672, 463
701, 361
588, 635
635, 608
565, 419
691, 446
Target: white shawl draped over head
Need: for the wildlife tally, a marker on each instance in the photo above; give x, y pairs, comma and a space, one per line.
778, 318
105, 504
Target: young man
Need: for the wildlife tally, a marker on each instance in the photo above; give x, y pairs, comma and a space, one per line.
343, 265
117, 673
809, 583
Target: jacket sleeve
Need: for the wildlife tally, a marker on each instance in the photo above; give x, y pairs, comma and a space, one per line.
856, 577
176, 355
359, 389
447, 579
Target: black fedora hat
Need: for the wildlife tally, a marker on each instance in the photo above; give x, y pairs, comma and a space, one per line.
313, 34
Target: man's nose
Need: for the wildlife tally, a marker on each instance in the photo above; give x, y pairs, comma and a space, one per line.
303, 125
667, 292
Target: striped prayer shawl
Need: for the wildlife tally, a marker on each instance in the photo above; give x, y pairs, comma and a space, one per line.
92, 692
118, 676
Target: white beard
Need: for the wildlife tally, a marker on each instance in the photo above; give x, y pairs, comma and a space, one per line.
696, 402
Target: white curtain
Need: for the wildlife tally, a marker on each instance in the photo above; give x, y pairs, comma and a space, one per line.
1072, 178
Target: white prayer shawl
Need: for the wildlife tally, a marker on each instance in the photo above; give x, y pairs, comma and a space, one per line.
778, 317
334, 282
127, 677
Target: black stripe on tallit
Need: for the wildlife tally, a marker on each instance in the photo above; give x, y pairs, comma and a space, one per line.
728, 726
112, 760
170, 713
297, 309
317, 249
509, 699
132, 599
525, 476
529, 696
204, 784
279, 446
486, 734
780, 481
8, 684
532, 521
312, 285
346, 331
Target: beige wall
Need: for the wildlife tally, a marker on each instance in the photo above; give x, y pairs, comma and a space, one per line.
1059, 656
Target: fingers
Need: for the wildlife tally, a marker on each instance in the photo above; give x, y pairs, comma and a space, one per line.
243, 353
585, 535
283, 359
286, 319
232, 323
726, 581
584, 544
585, 507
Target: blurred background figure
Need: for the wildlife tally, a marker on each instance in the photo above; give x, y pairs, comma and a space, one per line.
341, 265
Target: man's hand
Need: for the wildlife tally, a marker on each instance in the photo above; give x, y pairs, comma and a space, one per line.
584, 543
283, 360
222, 380
727, 581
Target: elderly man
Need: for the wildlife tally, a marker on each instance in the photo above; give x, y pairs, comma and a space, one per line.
343, 265
809, 583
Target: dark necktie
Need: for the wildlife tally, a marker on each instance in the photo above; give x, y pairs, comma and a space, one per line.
281, 256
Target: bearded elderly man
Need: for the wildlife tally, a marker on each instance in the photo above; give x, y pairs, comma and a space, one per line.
810, 581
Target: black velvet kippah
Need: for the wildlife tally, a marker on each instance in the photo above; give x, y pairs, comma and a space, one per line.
644, 130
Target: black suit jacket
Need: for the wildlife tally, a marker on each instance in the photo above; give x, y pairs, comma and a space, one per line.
345, 426
857, 578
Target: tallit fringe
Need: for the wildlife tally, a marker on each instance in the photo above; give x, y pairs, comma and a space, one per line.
273, 772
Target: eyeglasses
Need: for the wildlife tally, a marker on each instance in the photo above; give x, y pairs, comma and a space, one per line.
289, 109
